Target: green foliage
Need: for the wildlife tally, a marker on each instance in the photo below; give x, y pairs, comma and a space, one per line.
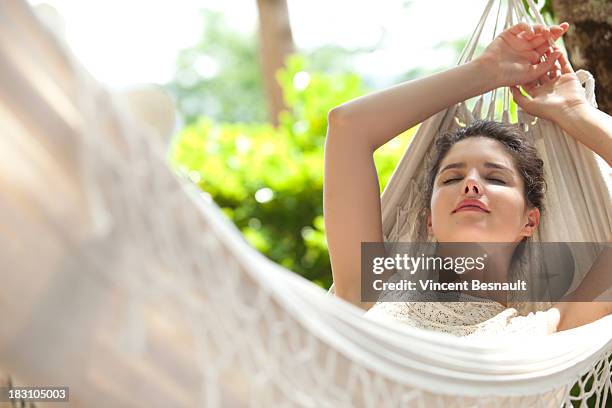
591, 401
546, 10
269, 181
219, 77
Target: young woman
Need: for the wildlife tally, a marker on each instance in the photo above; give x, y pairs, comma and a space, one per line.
487, 165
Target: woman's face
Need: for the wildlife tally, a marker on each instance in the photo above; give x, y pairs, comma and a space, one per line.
479, 169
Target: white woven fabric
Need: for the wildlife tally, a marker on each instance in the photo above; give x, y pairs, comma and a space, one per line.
128, 285
463, 317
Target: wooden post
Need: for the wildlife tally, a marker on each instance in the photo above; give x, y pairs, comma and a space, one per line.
276, 43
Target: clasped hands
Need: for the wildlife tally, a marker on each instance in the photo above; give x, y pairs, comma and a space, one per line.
522, 57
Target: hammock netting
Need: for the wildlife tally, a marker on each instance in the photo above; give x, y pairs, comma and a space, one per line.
127, 284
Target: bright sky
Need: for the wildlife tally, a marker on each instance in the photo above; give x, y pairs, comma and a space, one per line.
127, 42
136, 41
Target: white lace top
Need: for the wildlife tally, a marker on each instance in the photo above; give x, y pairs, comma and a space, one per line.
467, 317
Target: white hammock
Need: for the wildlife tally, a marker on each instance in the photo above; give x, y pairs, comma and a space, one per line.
129, 286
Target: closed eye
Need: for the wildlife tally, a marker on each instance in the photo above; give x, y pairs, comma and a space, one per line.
490, 179
451, 180
497, 180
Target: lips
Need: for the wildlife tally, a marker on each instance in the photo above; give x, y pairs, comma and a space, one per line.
471, 205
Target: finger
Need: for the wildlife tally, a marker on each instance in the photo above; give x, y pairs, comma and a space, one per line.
549, 50
566, 67
530, 87
539, 55
554, 74
519, 98
544, 78
516, 42
541, 50
539, 36
520, 27
559, 29
554, 31
565, 25
525, 35
532, 56
540, 42
544, 52
539, 28
537, 70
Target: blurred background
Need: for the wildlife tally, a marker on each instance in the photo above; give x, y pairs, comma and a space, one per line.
252, 82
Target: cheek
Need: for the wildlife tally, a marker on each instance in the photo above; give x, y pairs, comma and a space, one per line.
507, 202
441, 200
446, 193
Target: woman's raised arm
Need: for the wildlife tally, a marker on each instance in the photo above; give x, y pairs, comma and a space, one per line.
359, 127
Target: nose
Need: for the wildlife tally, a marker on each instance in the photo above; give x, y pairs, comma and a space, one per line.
472, 186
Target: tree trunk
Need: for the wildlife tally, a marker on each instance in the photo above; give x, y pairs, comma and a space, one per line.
589, 42
276, 43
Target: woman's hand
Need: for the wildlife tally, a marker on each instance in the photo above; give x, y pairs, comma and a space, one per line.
553, 95
559, 97
513, 58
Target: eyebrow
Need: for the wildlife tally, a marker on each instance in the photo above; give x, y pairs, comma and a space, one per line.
487, 164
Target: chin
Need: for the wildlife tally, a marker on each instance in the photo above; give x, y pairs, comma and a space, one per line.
468, 236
